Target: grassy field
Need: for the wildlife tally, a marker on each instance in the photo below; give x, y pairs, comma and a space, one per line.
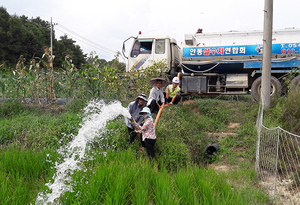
181, 173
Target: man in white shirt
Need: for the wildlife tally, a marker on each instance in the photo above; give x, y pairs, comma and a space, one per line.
156, 98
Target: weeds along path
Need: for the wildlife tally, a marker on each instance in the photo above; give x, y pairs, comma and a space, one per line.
231, 123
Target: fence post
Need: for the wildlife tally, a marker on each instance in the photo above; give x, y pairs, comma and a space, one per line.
257, 153
258, 127
276, 165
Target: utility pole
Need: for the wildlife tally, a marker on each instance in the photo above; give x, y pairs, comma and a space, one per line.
51, 61
51, 43
267, 54
50, 91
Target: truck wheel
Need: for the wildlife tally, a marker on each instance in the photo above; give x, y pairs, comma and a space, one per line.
295, 83
274, 91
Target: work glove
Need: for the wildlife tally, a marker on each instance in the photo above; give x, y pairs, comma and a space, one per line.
132, 121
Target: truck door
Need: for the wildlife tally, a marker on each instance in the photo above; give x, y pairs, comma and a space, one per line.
162, 52
141, 55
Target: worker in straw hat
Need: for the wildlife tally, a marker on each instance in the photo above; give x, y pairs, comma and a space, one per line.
148, 131
156, 98
172, 93
134, 109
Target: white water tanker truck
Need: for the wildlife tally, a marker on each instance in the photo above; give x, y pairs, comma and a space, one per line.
220, 63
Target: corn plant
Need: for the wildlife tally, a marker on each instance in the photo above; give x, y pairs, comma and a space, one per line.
50, 75
71, 75
141, 78
30, 81
3, 84
105, 82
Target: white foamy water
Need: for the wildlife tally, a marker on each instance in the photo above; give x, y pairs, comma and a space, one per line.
96, 115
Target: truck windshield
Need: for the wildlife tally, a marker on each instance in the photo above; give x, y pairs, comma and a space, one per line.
141, 46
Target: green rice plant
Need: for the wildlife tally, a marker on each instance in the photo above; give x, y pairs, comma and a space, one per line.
5, 191
109, 179
141, 191
163, 191
184, 186
117, 191
22, 174
212, 188
204, 190
91, 186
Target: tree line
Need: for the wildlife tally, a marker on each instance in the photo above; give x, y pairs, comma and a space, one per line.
26, 38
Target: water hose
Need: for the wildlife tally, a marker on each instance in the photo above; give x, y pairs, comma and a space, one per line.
158, 115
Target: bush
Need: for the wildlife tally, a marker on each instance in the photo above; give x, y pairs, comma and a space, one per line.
10, 108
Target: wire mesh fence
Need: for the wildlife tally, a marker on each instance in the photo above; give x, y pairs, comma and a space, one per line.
277, 163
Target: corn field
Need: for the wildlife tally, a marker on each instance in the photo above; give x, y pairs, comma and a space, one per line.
38, 81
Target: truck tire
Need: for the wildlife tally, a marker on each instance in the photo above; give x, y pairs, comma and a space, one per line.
256, 87
295, 83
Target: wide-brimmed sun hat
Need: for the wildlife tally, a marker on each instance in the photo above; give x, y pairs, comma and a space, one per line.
152, 82
145, 110
142, 97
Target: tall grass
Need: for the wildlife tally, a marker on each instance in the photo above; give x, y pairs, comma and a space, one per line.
33, 128
285, 112
121, 178
124, 175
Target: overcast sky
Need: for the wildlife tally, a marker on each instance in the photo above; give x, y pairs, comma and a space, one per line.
102, 26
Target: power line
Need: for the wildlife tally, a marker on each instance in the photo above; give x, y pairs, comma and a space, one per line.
84, 38
88, 43
78, 35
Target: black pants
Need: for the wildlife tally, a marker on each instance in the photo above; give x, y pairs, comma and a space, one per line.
133, 134
176, 101
153, 106
150, 147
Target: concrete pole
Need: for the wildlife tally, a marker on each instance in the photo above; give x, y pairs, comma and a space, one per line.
51, 60
267, 54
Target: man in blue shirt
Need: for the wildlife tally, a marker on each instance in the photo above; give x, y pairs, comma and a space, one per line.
134, 109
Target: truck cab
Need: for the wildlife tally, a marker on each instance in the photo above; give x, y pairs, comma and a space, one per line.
147, 49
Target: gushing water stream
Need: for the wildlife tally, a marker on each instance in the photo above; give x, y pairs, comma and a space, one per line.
96, 115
